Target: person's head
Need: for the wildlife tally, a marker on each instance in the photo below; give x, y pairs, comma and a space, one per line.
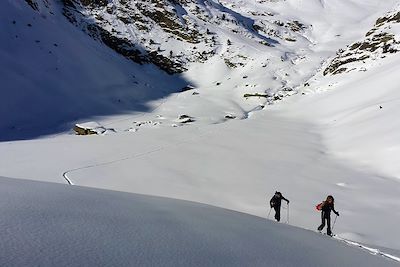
278, 194
330, 199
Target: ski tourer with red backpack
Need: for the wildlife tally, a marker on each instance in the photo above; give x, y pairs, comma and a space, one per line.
326, 207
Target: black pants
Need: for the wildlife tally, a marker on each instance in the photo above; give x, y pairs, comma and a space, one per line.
325, 216
277, 213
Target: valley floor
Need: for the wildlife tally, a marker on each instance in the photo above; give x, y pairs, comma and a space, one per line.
236, 165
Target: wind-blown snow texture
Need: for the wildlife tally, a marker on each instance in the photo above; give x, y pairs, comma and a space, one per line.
47, 224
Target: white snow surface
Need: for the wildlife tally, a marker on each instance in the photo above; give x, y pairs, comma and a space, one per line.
54, 76
47, 224
335, 139
357, 116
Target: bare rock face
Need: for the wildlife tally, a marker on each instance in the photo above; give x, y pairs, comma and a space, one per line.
82, 131
33, 4
172, 34
94, 3
380, 40
138, 30
90, 128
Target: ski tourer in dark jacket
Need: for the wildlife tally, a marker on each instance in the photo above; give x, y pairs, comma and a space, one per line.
276, 202
327, 206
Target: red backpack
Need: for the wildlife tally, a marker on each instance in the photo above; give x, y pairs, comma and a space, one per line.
319, 206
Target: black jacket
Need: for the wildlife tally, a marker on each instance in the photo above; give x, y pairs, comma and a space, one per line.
276, 201
328, 207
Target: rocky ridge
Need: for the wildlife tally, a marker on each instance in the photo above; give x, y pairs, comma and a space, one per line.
172, 34
381, 40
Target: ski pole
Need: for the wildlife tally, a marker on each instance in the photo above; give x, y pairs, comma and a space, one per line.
269, 213
333, 226
287, 220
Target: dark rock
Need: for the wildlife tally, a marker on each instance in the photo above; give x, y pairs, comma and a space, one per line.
33, 4
187, 88
94, 3
82, 131
255, 95
230, 116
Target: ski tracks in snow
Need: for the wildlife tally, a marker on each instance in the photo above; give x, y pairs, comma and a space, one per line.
348, 242
162, 102
67, 179
372, 251
134, 156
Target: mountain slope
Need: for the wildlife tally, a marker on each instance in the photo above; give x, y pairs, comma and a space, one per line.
48, 224
53, 75
358, 111
380, 41
214, 141
240, 56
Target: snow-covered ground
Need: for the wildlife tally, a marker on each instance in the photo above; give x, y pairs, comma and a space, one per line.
53, 75
357, 114
46, 224
210, 144
236, 165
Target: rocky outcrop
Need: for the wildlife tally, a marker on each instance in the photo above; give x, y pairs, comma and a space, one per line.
83, 131
382, 39
33, 4
91, 128
138, 30
173, 33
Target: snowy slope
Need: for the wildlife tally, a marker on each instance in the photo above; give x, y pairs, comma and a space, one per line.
79, 78
235, 165
359, 109
358, 116
53, 75
211, 144
54, 225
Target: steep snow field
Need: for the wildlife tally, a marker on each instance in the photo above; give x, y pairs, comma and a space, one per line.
339, 135
357, 114
47, 224
54, 75
66, 77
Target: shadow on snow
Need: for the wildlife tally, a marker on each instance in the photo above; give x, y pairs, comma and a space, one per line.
53, 75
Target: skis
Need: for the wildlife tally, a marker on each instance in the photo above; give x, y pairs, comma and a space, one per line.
332, 235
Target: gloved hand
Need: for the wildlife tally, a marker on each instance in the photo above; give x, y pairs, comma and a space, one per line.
288, 201
337, 213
